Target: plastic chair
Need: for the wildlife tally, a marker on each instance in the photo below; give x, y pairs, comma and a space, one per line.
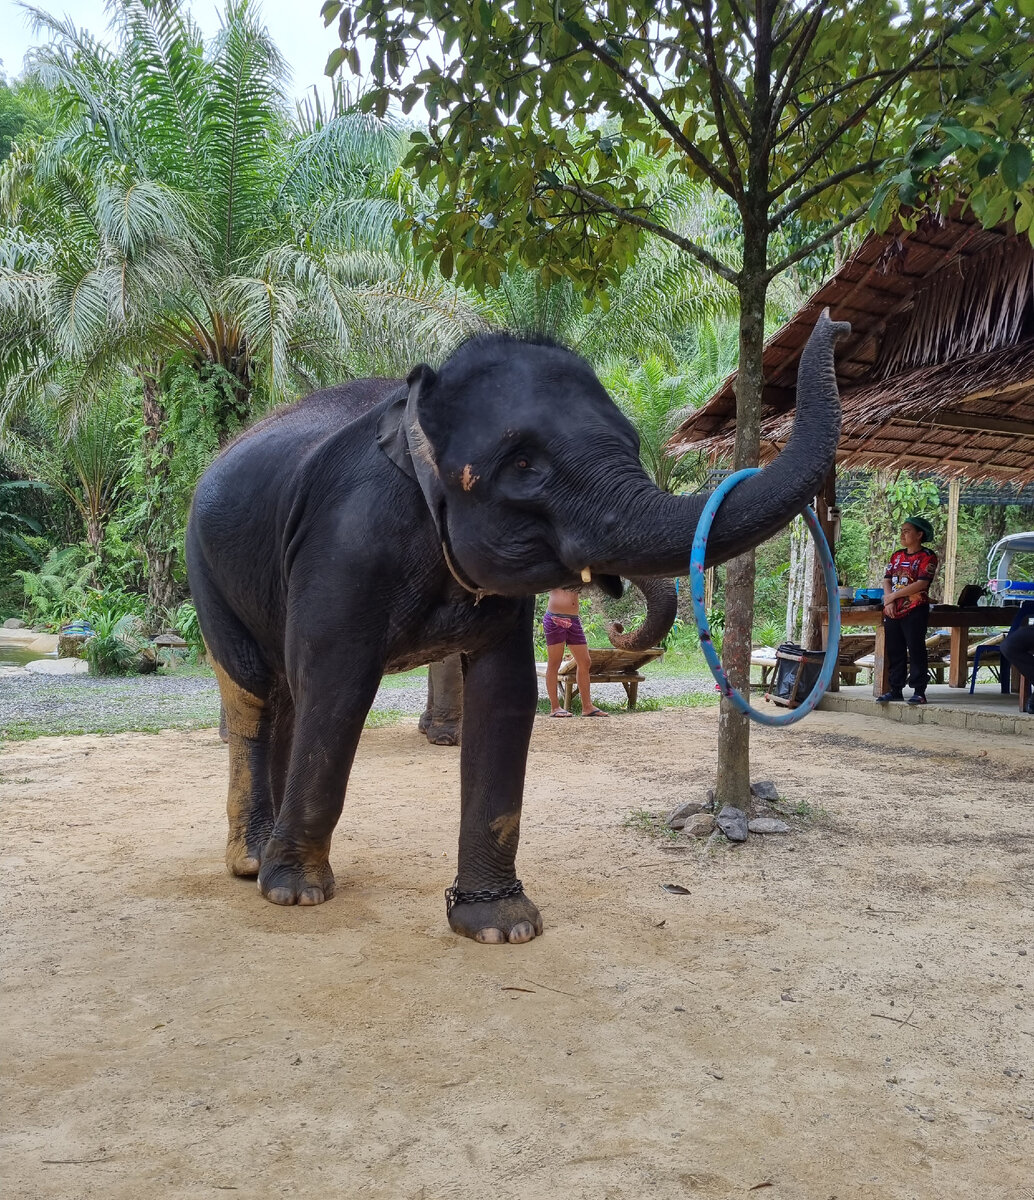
1025, 611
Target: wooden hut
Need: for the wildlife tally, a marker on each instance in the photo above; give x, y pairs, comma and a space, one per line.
938, 372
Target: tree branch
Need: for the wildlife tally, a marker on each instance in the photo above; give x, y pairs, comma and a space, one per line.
669, 235
671, 127
775, 219
734, 97
788, 77
891, 82
821, 240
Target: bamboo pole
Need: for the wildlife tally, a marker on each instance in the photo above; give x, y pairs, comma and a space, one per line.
825, 510
951, 542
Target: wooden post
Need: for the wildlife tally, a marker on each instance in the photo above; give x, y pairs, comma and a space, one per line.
951, 542
825, 510
709, 590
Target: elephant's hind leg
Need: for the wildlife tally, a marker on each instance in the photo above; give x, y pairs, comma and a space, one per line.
249, 802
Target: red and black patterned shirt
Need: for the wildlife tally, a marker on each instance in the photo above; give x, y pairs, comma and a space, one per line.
905, 568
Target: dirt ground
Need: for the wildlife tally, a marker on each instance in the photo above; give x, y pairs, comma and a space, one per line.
847, 1012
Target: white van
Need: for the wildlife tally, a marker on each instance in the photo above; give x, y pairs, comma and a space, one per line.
1010, 569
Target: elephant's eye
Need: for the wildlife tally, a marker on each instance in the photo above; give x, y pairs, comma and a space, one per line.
522, 462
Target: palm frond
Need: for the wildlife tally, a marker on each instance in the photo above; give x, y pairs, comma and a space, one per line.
244, 117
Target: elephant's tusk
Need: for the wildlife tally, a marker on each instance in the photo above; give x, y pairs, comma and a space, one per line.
586, 575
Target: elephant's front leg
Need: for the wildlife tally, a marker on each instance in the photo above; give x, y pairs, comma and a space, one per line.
330, 709
500, 694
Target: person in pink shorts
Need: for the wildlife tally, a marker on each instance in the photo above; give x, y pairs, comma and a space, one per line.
563, 629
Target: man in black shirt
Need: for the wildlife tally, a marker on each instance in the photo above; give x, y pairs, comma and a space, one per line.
1018, 648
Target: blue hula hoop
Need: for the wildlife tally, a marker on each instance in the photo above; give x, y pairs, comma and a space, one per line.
696, 583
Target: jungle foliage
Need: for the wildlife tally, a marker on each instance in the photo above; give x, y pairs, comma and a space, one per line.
181, 248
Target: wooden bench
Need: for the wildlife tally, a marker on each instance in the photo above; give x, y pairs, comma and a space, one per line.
763, 657
170, 642
852, 656
606, 666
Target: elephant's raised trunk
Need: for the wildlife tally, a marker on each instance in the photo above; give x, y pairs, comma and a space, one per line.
661, 610
657, 528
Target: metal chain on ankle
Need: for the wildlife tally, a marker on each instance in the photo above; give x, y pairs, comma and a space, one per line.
454, 896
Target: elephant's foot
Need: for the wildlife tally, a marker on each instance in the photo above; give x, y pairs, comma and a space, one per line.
494, 922
442, 734
292, 876
244, 852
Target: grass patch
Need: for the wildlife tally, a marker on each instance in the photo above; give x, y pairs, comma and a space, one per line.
27, 731
379, 718
650, 824
405, 678
683, 700
802, 810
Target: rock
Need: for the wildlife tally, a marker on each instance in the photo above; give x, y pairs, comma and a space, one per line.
733, 823
699, 825
764, 789
46, 643
70, 644
677, 816
58, 666
768, 825
14, 623
146, 661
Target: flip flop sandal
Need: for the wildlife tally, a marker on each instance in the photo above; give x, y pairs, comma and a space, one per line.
596, 712
560, 712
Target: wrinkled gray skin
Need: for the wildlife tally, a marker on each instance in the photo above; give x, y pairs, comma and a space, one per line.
386, 524
443, 716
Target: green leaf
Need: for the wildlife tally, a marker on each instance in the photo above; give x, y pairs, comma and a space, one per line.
330, 10
1016, 166
987, 163
996, 210
335, 59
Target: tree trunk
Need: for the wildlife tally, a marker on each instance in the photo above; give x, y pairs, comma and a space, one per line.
826, 511
159, 535
795, 588
95, 540
733, 782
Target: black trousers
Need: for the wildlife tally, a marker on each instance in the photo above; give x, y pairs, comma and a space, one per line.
1018, 649
905, 647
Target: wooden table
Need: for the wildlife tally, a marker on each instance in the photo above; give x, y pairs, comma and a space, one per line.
958, 622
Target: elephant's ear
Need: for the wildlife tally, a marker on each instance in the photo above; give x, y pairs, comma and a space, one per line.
393, 429
420, 380
421, 452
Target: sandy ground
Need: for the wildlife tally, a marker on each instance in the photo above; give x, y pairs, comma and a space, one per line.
847, 1012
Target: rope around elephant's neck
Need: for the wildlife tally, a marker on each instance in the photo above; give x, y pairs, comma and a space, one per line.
478, 593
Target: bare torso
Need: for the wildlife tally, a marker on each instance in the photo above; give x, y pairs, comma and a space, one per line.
564, 602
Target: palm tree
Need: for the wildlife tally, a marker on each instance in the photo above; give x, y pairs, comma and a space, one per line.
182, 217
657, 400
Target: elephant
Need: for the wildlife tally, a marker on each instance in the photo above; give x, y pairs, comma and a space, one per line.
442, 717
383, 524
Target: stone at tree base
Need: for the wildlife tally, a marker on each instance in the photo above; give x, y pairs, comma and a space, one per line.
732, 822
14, 623
677, 817
70, 644
699, 825
58, 666
768, 825
764, 789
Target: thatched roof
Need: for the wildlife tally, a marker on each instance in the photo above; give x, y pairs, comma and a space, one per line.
938, 372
